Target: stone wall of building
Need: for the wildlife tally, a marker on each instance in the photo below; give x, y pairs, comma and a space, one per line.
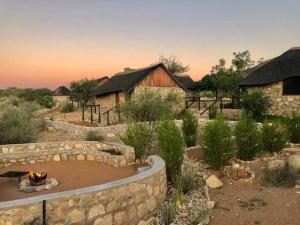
129, 201
281, 104
55, 151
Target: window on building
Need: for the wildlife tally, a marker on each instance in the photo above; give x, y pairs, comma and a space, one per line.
291, 86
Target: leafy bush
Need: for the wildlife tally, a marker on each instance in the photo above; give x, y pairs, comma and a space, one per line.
273, 139
93, 136
200, 215
189, 129
212, 112
137, 135
280, 178
293, 125
171, 147
16, 126
168, 213
217, 144
41, 124
46, 101
256, 103
67, 108
247, 137
150, 106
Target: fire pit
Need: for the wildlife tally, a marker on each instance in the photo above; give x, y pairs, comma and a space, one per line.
37, 182
37, 179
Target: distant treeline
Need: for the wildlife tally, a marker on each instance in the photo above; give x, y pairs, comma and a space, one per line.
42, 96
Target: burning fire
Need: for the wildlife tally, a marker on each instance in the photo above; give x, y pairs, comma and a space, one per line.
37, 178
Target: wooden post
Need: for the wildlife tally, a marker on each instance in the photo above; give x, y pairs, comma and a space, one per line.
199, 107
91, 114
108, 118
83, 112
99, 114
221, 105
44, 213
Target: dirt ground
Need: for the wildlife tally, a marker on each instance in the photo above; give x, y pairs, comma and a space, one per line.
70, 175
241, 203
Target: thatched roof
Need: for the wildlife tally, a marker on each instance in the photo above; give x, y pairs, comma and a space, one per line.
61, 91
277, 69
186, 81
126, 81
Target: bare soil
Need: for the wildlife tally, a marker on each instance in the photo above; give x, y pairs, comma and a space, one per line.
241, 203
70, 175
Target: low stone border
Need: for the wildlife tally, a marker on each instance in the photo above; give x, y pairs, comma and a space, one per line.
55, 151
122, 202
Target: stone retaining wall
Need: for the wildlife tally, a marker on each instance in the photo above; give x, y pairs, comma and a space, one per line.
280, 104
129, 201
55, 151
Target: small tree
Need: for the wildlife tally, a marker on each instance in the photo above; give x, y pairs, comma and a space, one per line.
217, 143
189, 129
247, 137
171, 148
256, 103
273, 138
83, 90
137, 135
174, 66
150, 107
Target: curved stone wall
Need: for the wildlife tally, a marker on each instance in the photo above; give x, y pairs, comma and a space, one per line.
56, 151
128, 201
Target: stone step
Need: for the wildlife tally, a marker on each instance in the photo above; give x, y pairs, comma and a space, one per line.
292, 150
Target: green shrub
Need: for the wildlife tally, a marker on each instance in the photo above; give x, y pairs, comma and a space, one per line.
189, 129
67, 108
93, 136
137, 135
168, 213
273, 139
217, 144
41, 124
280, 178
212, 112
189, 181
171, 147
35, 221
293, 125
16, 126
200, 215
248, 138
256, 103
46, 101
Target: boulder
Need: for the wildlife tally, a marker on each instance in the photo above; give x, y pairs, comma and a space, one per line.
294, 162
214, 182
276, 165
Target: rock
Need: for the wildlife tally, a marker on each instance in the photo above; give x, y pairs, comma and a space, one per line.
120, 217
294, 162
276, 165
106, 220
80, 157
214, 182
96, 210
110, 135
76, 216
210, 204
56, 157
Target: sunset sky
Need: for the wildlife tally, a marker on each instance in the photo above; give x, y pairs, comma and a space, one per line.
50, 43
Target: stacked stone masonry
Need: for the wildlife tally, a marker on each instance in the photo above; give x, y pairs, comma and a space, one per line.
281, 104
56, 151
129, 201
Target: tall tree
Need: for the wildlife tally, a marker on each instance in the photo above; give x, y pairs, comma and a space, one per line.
174, 66
83, 90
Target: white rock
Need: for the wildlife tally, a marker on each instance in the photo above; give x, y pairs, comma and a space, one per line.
214, 182
56, 157
276, 165
210, 204
294, 162
110, 135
